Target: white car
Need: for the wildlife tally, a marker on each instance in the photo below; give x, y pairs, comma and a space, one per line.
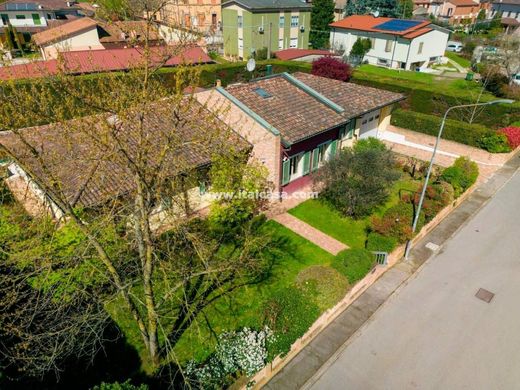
454, 46
516, 79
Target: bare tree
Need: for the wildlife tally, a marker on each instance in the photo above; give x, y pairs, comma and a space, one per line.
113, 153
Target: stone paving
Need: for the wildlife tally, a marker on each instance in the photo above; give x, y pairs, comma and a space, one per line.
314, 235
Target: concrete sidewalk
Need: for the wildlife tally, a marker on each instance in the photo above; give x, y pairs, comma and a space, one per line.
307, 363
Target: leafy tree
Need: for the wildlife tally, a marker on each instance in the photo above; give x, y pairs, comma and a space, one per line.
331, 68
405, 9
388, 8
358, 179
322, 14
359, 49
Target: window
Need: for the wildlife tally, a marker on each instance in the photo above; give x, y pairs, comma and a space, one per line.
419, 50
20, 17
382, 61
262, 92
5, 18
36, 19
240, 21
388, 47
294, 21
294, 43
280, 44
372, 43
282, 22
240, 43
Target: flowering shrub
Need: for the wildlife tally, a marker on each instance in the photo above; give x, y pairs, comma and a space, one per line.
512, 134
397, 222
243, 351
331, 68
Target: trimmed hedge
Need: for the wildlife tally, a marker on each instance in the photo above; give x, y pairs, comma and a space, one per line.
377, 242
464, 133
424, 98
354, 263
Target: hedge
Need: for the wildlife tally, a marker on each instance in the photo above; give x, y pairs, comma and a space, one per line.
465, 133
424, 98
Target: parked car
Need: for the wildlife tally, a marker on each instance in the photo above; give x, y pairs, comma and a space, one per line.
454, 46
516, 79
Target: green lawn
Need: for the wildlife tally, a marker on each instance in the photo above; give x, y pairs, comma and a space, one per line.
458, 59
351, 232
244, 306
395, 74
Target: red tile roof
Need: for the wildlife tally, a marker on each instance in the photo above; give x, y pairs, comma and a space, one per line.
291, 54
369, 23
463, 3
417, 33
78, 62
64, 31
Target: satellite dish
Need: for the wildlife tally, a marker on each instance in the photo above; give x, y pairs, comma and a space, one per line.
251, 65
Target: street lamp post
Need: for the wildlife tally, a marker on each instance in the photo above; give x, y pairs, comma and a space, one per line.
428, 173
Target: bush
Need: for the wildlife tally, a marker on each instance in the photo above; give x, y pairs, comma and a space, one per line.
397, 222
358, 179
354, 263
512, 133
331, 68
288, 313
323, 285
469, 134
437, 196
261, 54
495, 143
461, 175
379, 243
120, 386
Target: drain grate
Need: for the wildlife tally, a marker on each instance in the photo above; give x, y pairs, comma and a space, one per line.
433, 247
484, 295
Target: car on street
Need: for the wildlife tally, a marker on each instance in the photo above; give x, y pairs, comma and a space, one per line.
454, 46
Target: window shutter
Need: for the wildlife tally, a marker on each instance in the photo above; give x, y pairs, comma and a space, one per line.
306, 163
286, 174
315, 158
333, 149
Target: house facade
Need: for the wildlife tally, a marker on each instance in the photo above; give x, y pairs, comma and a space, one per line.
298, 122
454, 12
396, 43
509, 11
198, 15
250, 25
33, 16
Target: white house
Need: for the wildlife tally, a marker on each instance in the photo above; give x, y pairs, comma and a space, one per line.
396, 43
36, 14
78, 35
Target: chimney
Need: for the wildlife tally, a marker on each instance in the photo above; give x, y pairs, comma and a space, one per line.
219, 83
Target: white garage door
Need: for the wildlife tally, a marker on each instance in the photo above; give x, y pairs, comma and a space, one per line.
369, 124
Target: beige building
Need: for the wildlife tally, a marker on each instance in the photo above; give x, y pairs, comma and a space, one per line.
199, 15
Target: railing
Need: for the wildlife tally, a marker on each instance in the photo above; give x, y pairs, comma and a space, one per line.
381, 257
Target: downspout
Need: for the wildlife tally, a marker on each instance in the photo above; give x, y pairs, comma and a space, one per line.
408, 54
393, 52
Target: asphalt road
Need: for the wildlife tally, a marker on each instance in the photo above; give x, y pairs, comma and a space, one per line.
433, 333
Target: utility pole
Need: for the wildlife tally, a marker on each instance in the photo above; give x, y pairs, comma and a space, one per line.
269, 41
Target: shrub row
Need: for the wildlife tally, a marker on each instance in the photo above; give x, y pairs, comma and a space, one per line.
423, 98
470, 134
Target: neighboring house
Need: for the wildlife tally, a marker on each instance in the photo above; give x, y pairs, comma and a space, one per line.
396, 43
88, 34
110, 60
509, 10
80, 34
297, 122
89, 179
250, 25
306, 55
339, 9
454, 12
30, 17
198, 15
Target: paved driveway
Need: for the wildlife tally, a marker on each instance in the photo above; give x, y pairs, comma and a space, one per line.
434, 333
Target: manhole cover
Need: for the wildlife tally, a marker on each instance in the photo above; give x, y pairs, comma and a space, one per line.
484, 295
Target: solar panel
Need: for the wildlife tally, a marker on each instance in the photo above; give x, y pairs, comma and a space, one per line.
21, 7
397, 25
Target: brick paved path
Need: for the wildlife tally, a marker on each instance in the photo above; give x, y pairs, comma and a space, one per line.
315, 236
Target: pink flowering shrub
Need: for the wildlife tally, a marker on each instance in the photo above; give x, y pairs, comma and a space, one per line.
331, 68
513, 135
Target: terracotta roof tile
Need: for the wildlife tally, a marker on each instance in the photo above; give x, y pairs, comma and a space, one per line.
417, 33
299, 115
291, 54
64, 31
369, 23
72, 152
